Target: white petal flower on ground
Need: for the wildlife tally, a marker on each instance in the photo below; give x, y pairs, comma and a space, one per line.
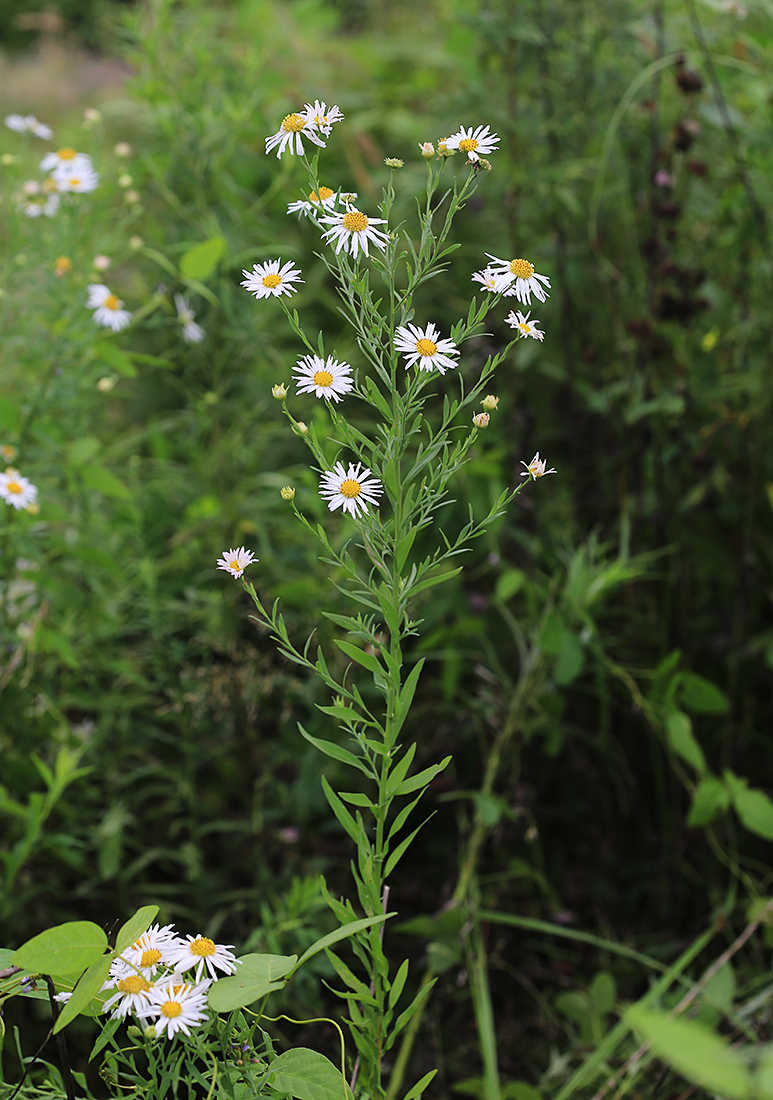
491, 280
269, 279
79, 177
536, 468
289, 135
236, 561
424, 346
192, 333
108, 309
324, 377
474, 143
523, 279
352, 230
131, 996
326, 199
65, 158
201, 952
353, 489
516, 319
318, 115
16, 490
176, 1006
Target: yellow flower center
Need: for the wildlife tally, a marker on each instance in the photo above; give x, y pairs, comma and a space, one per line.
354, 221
325, 192
150, 957
67, 154
13, 487
293, 124
49, 186
426, 347
350, 488
468, 144
171, 1009
522, 269
323, 378
524, 327
135, 983
202, 947
111, 302
74, 181
271, 281
235, 564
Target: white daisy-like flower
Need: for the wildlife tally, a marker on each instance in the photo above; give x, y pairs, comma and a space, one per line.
236, 561
325, 377
201, 952
176, 1006
516, 319
474, 143
108, 309
318, 115
424, 347
16, 490
326, 199
270, 279
131, 996
352, 230
63, 997
36, 205
192, 333
289, 135
148, 952
79, 177
65, 158
536, 468
523, 279
24, 123
353, 489
491, 280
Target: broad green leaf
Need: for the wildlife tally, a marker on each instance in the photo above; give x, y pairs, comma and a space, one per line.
83, 450
255, 977
85, 991
574, 1005
695, 1051
520, 1090
711, 798
701, 695
570, 660
135, 926
62, 951
682, 740
342, 933
510, 582
202, 259
754, 808
308, 1075
115, 357
603, 992
97, 477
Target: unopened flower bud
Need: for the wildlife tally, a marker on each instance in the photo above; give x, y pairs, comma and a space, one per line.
101, 263
136, 242
480, 420
490, 402
123, 149
135, 1032
427, 149
8, 159
125, 180
131, 197
33, 508
8, 452
443, 150
150, 1032
287, 492
279, 392
302, 428
483, 164
62, 266
91, 116
105, 385
393, 162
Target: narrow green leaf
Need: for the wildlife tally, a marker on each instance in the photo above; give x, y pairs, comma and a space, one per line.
202, 259
422, 778
399, 771
415, 1092
682, 740
342, 933
135, 926
367, 660
401, 849
336, 752
109, 1029
398, 983
439, 578
63, 951
341, 812
84, 992
410, 1011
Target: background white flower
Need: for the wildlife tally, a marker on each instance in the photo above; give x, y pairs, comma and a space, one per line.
16, 490
325, 377
353, 489
523, 279
65, 158
23, 123
79, 177
192, 333
269, 279
424, 346
491, 280
473, 142
289, 135
108, 309
352, 230
526, 327
236, 561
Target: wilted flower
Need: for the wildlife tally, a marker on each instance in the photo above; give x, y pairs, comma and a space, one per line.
318, 114
480, 420
8, 452
326, 199
393, 162
427, 149
536, 468
524, 325
192, 333
492, 280
63, 265
236, 561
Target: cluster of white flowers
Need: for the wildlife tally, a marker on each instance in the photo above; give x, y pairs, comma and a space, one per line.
69, 171
313, 122
23, 124
149, 979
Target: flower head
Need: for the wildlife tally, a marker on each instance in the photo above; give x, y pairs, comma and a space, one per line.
322, 118
192, 333
491, 280
236, 561
473, 142
78, 176
8, 452
522, 279
279, 391
40, 203
177, 1006
17, 490
323, 377
201, 952
148, 952
270, 279
524, 325
427, 149
326, 199
123, 149
352, 230
108, 309
480, 420
131, 996
65, 158
423, 346
290, 133
353, 489
490, 402
536, 468
23, 123
287, 492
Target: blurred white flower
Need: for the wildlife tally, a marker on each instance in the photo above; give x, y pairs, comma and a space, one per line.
536, 468
192, 333
108, 309
317, 114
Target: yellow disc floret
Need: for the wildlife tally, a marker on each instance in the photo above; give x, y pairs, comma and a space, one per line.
323, 378
135, 983
171, 1009
293, 124
202, 947
467, 145
271, 281
13, 487
111, 302
350, 488
324, 193
426, 347
150, 957
522, 269
66, 154
354, 221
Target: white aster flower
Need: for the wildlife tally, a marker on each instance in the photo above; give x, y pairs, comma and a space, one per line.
290, 133
176, 1006
352, 230
131, 996
325, 377
35, 205
149, 951
523, 279
65, 158
353, 489
318, 115
79, 176
491, 280
536, 468
63, 997
192, 333
473, 142
16, 490
108, 309
24, 123
424, 347
325, 199
269, 279
516, 319
236, 561
201, 952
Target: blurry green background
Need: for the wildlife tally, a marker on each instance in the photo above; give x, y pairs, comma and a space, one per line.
635, 170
